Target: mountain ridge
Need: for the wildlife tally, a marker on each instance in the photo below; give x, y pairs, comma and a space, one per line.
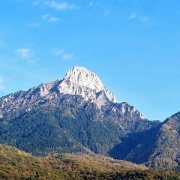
43, 120
97, 93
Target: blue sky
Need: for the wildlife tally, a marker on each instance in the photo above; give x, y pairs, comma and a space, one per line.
132, 45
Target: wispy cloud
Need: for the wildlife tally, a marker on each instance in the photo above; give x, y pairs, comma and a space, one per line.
53, 19
24, 53
1, 84
91, 4
106, 12
62, 54
49, 18
133, 15
61, 6
36, 2
142, 19
33, 25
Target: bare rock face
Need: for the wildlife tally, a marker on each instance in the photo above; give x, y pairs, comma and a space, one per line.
80, 81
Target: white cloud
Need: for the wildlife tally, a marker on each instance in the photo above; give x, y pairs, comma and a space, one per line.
142, 19
68, 56
61, 6
53, 19
133, 15
1, 84
91, 4
49, 18
24, 53
36, 2
62, 54
57, 52
106, 12
45, 16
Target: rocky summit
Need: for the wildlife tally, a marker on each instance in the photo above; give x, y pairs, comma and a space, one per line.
80, 81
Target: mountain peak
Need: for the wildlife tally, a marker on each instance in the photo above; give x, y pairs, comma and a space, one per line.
80, 81
84, 78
